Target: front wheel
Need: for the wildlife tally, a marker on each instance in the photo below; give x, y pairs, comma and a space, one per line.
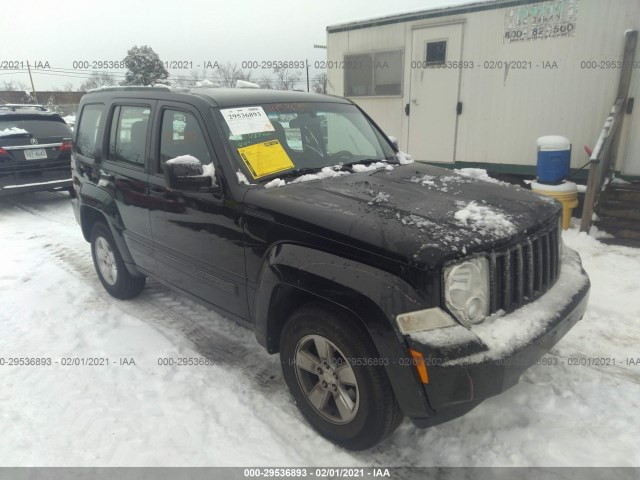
336, 377
112, 272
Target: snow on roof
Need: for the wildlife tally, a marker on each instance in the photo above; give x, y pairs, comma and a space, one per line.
245, 84
446, 8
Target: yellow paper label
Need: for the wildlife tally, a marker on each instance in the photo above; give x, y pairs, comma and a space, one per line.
265, 158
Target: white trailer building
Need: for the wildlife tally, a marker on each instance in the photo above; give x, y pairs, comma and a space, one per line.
476, 85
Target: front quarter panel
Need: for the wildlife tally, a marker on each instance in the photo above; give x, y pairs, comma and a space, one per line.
371, 295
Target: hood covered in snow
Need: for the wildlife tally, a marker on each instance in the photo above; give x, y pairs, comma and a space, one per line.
416, 213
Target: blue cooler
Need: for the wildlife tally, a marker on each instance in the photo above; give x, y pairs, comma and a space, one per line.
554, 158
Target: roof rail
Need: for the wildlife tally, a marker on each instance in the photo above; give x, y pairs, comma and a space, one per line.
23, 106
131, 88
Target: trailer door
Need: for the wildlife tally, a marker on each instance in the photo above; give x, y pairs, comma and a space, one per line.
433, 99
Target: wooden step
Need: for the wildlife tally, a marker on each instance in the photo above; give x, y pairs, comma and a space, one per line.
621, 210
612, 222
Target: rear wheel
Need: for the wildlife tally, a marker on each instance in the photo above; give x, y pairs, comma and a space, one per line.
336, 377
112, 272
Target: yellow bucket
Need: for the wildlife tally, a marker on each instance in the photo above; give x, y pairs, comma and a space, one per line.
566, 193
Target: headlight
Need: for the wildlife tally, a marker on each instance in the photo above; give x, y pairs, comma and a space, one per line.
466, 290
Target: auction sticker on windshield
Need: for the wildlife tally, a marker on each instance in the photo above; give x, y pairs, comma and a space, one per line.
247, 120
265, 158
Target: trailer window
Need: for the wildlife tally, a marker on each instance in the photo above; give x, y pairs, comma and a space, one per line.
373, 74
436, 53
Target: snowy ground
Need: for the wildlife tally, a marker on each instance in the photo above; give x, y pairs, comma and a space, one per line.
237, 412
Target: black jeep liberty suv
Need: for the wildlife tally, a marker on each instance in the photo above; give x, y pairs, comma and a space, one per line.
388, 287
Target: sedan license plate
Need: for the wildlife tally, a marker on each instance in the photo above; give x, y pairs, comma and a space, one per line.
35, 154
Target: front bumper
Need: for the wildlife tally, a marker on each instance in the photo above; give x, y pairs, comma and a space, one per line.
467, 366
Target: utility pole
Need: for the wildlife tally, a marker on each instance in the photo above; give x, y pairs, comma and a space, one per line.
307, 62
33, 89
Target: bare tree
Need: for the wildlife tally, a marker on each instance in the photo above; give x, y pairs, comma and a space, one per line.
51, 105
320, 83
266, 82
97, 80
192, 79
13, 86
285, 78
229, 73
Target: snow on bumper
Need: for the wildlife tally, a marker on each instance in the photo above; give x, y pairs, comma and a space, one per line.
467, 365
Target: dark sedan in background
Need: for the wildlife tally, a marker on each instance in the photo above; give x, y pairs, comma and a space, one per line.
35, 147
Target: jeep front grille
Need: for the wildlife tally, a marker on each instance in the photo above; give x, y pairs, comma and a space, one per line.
525, 271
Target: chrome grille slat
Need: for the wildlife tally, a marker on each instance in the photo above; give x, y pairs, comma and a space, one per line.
538, 265
523, 272
546, 261
493, 285
519, 276
506, 303
529, 276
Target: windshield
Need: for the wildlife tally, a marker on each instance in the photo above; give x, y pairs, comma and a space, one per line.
282, 139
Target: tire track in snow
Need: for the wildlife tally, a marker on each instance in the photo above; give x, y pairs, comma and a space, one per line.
227, 344
213, 336
54, 206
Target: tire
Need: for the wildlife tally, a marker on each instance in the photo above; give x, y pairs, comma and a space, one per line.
110, 267
72, 192
356, 407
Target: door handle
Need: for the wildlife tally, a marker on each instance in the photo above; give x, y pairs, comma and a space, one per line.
407, 109
156, 191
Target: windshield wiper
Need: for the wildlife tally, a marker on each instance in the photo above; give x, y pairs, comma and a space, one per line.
366, 162
295, 173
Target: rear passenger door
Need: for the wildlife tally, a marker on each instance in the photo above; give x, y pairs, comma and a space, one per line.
127, 149
198, 240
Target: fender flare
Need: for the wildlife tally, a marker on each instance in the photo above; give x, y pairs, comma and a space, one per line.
372, 296
96, 201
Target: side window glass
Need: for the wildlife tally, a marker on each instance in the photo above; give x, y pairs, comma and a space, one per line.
128, 137
181, 134
88, 128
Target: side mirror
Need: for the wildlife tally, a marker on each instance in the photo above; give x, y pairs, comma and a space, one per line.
394, 141
187, 173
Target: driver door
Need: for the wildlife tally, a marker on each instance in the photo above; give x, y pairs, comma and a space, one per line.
197, 238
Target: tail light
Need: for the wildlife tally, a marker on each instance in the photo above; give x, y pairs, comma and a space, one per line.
3, 151
65, 147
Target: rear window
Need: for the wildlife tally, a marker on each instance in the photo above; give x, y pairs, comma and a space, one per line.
41, 127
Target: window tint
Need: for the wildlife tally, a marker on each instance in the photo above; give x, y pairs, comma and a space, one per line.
88, 128
128, 137
181, 135
38, 127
